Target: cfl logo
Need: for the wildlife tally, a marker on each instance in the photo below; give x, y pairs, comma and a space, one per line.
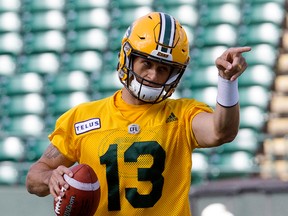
133, 129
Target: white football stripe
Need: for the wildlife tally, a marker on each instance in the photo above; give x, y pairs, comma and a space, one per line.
80, 185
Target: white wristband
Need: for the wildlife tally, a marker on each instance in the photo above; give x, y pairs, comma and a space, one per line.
227, 94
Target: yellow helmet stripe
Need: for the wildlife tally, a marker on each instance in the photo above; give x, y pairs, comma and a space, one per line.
167, 33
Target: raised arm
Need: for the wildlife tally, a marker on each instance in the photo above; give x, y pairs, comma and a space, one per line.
214, 129
46, 175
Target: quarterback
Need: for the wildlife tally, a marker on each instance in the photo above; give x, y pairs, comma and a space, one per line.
139, 141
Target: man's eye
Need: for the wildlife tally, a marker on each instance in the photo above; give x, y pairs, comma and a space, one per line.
164, 70
146, 63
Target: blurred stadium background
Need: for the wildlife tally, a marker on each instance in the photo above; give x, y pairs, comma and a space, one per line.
55, 54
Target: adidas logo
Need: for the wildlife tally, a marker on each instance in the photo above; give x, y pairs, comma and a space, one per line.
171, 118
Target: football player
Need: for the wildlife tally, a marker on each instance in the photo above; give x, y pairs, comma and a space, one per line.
139, 141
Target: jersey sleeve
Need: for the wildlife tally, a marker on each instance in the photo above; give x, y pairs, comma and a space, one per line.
63, 136
193, 108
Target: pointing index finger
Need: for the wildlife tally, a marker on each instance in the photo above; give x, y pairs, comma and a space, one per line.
240, 50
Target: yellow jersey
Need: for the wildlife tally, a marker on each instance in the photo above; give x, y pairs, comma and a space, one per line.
141, 154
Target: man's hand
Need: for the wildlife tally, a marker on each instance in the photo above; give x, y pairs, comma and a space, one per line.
57, 181
231, 64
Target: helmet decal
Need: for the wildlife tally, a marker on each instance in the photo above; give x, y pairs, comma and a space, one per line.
167, 33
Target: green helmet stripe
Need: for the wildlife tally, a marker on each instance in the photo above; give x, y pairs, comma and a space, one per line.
167, 32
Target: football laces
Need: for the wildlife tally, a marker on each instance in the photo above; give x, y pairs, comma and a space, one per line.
58, 204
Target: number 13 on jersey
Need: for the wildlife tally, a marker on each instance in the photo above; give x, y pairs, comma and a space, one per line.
152, 174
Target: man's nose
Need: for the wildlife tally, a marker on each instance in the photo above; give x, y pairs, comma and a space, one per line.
152, 73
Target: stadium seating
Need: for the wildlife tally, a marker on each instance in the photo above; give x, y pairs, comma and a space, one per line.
264, 33
122, 18
200, 77
107, 82
88, 61
130, 3
88, 18
67, 82
239, 164
254, 96
279, 104
281, 83
39, 63
86, 4
180, 11
264, 11
252, 117
206, 56
217, 35
247, 140
57, 104
274, 163
251, 76
222, 13
11, 43
47, 41
10, 22
59, 53
32, 103
22, 84
8, 65
85, 40
282, 64
8, 5
12, 149
23, 125
9, 173
35, 5
221, 1
263, 54
200, 168
175, 3
35, 146
44, 20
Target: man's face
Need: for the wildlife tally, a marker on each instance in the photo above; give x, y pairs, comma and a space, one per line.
152, 71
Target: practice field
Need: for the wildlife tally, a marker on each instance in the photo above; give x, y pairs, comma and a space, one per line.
16, 201
241, 197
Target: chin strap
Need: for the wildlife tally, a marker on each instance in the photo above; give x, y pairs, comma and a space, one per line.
146, 93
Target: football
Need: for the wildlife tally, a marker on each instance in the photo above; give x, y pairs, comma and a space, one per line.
83, 195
